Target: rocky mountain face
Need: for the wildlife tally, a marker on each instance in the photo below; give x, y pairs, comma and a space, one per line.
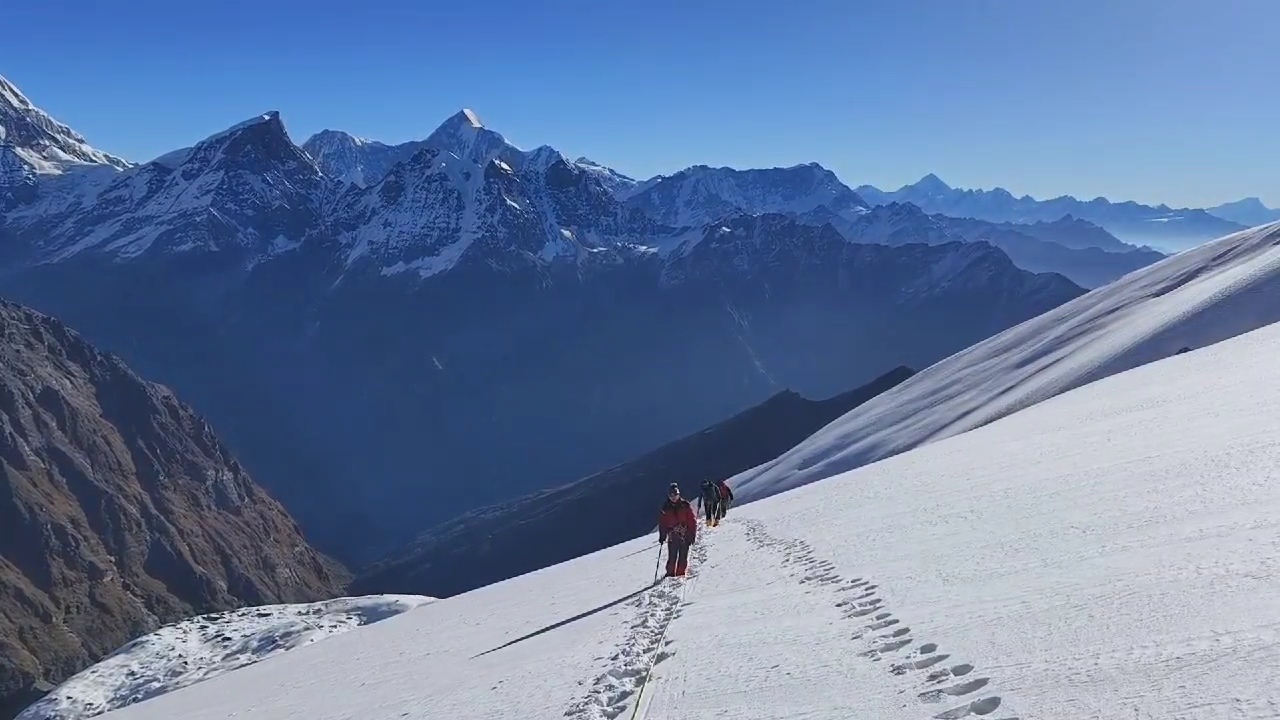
1160, 226
120, 510
481, 321
607, 507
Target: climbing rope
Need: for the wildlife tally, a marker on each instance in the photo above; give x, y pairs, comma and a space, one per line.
657, 649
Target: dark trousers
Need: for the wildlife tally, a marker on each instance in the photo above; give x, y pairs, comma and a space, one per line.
677, 555
710, 506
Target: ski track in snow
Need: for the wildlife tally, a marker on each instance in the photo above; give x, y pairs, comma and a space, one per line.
880, 632
645, 646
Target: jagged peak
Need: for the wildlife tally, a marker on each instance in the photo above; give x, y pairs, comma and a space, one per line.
464, 136
43, 143
270, 117
268, 125
932, 183
461, 121
329, 136
11, 96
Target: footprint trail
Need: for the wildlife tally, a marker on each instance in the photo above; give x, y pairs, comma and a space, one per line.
877, 628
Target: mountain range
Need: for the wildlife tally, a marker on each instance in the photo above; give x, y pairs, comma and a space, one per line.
428, 335
1160, 225
481, 321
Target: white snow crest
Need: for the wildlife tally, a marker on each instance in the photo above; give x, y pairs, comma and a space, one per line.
206, 646
51, 147
1203, 296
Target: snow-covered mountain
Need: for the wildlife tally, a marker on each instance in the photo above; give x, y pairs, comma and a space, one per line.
1107, 553
43, 144
1202, 296
620, 185
813, 195
206, 646
1249, 212
1160, 226
337, 333
248, 192
356, 161
700, 195
469, 194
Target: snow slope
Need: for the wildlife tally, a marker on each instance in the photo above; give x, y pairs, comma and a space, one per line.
1219, 290
1109, 553
207, 646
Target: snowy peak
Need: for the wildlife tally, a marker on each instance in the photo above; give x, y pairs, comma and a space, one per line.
931, 184
700, 194
44, 144
247, 189
356, 161
262, 135
464, 137
620, 185
899, 224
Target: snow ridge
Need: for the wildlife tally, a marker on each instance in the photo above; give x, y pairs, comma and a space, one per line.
701, 195
206, 646
46, 145
1217, 291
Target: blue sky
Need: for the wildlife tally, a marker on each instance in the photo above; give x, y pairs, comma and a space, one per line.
1154, 100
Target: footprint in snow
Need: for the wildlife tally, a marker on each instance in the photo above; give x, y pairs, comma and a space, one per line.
985, 706
964, 688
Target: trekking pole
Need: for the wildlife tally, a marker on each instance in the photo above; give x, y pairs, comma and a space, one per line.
657, 565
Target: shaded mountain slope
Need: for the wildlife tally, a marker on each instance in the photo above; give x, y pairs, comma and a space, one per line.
545, 528
119, 511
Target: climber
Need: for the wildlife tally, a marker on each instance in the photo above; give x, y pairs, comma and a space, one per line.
678, 528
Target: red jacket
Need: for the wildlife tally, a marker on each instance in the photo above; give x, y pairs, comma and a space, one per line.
725, 492
677, 518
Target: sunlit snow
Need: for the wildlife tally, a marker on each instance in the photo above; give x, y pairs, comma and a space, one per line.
1199, 297
207, 646
1110, 552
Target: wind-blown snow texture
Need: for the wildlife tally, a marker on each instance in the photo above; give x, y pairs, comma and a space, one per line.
1108, 553
207, 646
1214, 292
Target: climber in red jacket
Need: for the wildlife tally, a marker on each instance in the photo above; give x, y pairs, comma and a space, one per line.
678, 528
726, 497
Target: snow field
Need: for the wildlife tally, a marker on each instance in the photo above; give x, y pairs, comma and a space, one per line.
205, 646
1112, 552
1215, 292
